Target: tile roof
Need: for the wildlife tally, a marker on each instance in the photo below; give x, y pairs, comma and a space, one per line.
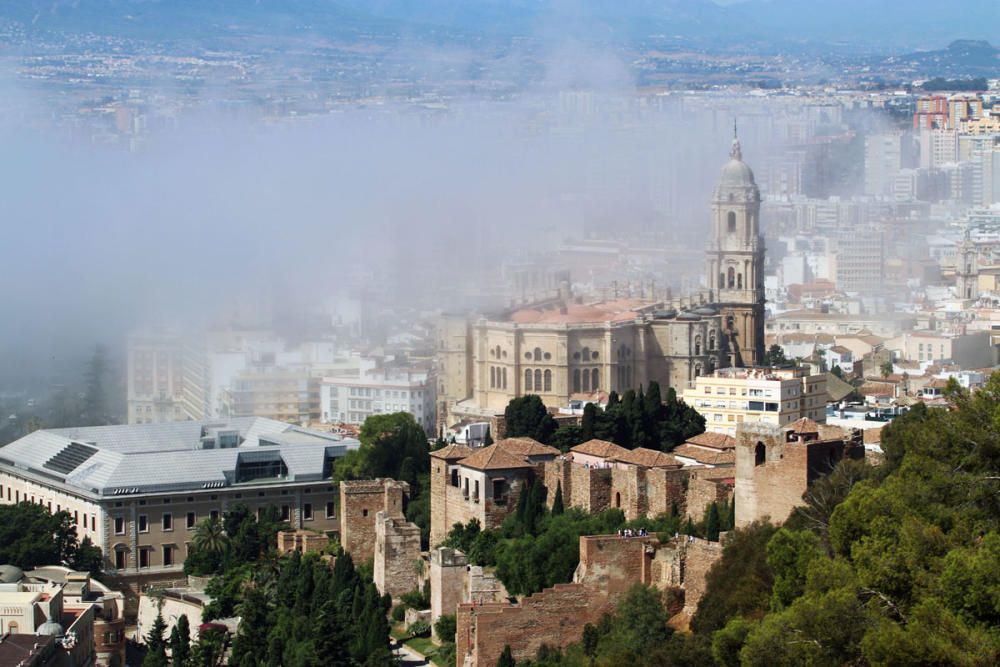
526, 447
713, 440
601, 448
494, 458
452, 452
648, 458
804, 425
706, 455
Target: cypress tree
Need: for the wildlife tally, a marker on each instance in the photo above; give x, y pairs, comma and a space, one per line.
712, 523
180, 642
156, 656
689, 528
487, 439
557, 503
506, 658
589, 421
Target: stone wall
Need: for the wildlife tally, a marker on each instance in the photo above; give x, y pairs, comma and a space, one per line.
447, 572
609, 566
360, 501
665, 488
397, 555
703, 491
301, 541
628, 491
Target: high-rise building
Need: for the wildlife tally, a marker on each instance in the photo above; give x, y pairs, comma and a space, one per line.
860, 257
154, 378
381, 387
883, 160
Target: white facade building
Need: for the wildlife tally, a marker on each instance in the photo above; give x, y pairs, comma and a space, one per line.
379, 388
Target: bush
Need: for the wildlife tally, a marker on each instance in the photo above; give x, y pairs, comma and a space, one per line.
419, 629
399, 613
446, 628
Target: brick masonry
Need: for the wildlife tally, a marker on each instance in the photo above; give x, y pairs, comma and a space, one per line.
360, 502
397, 555
609, 566
301, 541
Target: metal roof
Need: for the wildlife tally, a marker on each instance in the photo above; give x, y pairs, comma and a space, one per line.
170, 457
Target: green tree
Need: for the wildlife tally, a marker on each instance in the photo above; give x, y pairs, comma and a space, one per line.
156, 645
180, 642
774, 356
487, 439
527, 417
557, 502
566, 437
588, 422
444, 628
886, 368
712, 523
209, 535
506, 658
31, 536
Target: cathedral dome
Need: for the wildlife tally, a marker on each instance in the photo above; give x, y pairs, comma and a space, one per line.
51, 629
736, 173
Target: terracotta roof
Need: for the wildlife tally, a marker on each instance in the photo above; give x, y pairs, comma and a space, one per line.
648, 458
706, 455
601, 448
452, 452
713, 440
526, 447
804, 425
494, 458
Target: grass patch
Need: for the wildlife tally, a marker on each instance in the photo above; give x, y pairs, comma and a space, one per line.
422, 645
398, 632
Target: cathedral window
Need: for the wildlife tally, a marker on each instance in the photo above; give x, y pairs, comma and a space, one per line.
594, 381
498, 351
493, 378
504, 375
711, 340
538, 354
739, 281
594, 355
548, 380
731, 220
586, 380
538, 380
527, 379
731, 277
586, 353
576, 380
697, 346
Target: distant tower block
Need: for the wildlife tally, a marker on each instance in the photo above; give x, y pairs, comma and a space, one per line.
735, 260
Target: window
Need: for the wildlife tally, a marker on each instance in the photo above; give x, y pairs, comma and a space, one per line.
548, 380
759, 454
527, 379
731, 277
731, 222
475, 491
454, 477
214, 515
144, 557
576, 380
93, 522
168, 522
143, 523
119, 525
697, 346
285, 513
307, 512
331, 510
168, 556
586, 380
593, 379
537, 354
493, 378
538, 379
364, 512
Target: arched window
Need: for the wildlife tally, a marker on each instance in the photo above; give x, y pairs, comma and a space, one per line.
504, 373
586, 353
722, 280
576, 380
731, 277
538, 354
739, 281
731, 219
548, 380
618, 499
697, 370
594, 381
730, 323
527, 379
586, 380
697, 346
538, 380
759, 454
498, 351
711, 340
493, 378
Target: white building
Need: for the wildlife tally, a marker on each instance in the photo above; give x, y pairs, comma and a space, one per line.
381, 387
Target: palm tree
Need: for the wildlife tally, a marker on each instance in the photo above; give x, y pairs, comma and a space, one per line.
886, 368
209, 536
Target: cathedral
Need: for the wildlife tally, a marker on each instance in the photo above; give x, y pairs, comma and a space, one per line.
563, 347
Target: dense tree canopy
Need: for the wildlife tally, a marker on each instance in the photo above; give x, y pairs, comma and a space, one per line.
31, 536
527, 417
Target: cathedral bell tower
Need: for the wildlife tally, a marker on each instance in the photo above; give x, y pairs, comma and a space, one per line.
735, 259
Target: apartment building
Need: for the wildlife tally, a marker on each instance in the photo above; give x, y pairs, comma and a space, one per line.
381, 387
779, 396
139, 491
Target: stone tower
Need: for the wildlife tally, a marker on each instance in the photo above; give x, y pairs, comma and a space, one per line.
736, 260
966, 269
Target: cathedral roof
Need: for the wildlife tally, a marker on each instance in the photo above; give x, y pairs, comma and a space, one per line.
736, 173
